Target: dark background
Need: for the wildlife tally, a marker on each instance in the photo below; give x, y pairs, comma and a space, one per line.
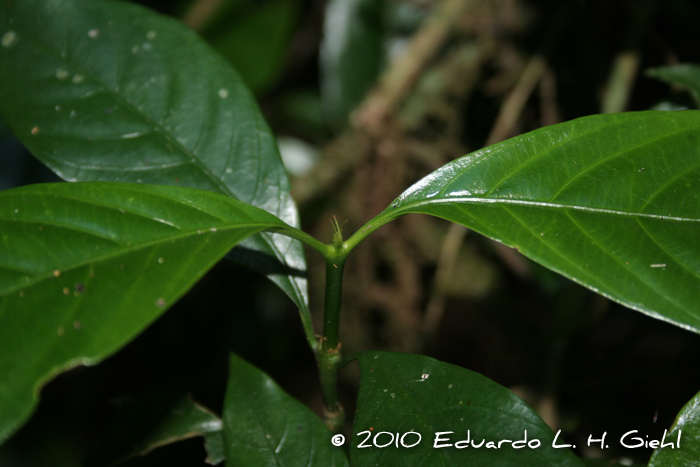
586, 364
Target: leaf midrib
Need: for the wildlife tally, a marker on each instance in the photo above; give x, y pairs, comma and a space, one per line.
137, 247
412, 206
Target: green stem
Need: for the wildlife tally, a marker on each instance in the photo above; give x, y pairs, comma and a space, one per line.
303, 237
329, 354
367, 229
328, 351
331, 316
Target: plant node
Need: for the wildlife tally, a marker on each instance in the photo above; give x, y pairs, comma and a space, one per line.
335, 417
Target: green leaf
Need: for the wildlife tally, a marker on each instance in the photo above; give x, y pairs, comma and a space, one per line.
352, 53
610, 201
607, 463
401, 393
110, 91
686, 429
148, 421
685, 75
264, 426
84, 267
214, 444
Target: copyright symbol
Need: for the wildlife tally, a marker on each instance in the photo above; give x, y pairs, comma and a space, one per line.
338, 440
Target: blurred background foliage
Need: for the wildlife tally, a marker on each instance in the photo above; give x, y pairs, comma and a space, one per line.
366, 97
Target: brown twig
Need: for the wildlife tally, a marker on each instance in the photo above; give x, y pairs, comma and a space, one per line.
201, 12
620, 82
449, 254
626, 64
398, 81
503, 127
515, 102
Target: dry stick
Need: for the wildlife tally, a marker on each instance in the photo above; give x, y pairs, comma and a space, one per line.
201, 12
548, 99
515, 102
398, 81
449, 253
507, 118
620, 82
624, 69
393, 88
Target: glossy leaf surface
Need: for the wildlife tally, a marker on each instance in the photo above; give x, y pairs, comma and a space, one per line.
685, 75
610, 201
264, 426
84, 267
147, 421
400, 393
688, 425
110, 91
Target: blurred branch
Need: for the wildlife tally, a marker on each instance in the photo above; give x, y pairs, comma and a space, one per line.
201, 12
514, 104
536, 71
449, 254
626, 64
548, 99
398, 81
620, 82
506, 121
354, 145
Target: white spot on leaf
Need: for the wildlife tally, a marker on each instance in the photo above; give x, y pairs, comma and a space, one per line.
150, 35
223, 93
62, 74
77, 79
93, 33
9, 39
